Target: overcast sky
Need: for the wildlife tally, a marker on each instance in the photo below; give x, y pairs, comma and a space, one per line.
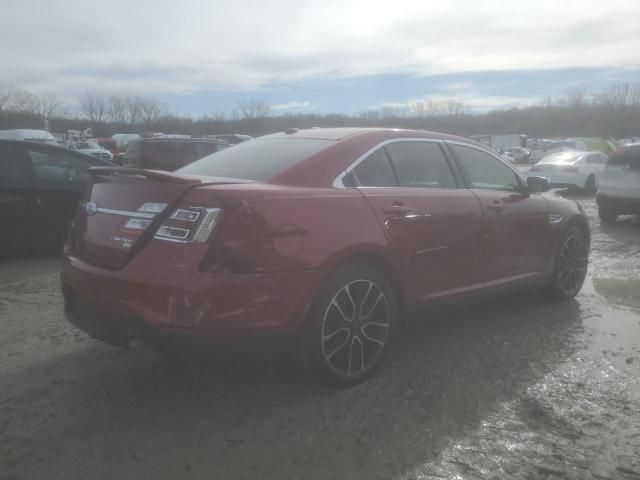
321, 55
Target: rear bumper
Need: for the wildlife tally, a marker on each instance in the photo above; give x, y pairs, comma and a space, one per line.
622, 205
113, 305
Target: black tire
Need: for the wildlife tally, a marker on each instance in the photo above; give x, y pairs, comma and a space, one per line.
570, 265
607, 215
350, 326
590, 185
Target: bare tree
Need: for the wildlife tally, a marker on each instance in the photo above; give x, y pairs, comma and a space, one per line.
24, 102
254, 112
151, 110
93, 105
6, 92
133, 107
117, 110
576, 97
433, 108
418, 108
48, 104
453, 107
394, 111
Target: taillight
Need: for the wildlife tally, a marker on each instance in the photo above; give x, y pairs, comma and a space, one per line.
189, 225
184, 225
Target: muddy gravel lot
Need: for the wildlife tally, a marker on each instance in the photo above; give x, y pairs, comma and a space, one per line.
514, 388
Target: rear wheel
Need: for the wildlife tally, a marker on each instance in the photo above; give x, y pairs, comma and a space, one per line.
571, 265
607, 214
590, 185
350, 326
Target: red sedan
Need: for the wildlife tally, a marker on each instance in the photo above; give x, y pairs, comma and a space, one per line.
322, 236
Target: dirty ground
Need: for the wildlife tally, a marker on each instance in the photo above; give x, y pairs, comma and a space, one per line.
515, 388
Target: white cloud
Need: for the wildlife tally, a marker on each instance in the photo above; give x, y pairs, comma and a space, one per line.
161, 46
466, 85
291, 106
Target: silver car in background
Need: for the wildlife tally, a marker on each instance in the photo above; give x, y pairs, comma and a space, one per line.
576, 170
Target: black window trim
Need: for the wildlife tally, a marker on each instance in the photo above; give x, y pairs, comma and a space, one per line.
467, 180
345, 176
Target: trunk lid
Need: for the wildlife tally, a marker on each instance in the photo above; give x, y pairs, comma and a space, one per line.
122, 209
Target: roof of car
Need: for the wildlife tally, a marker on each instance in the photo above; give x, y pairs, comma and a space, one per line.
175, 139
338, 134
56, 148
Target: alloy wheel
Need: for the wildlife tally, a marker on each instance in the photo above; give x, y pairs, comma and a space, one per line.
355, 328
574, 260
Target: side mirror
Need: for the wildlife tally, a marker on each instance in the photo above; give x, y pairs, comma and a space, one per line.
538, 184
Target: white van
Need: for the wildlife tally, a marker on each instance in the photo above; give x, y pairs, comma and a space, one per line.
123, 139
24, 134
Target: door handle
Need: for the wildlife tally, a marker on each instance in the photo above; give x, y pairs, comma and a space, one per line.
399, 210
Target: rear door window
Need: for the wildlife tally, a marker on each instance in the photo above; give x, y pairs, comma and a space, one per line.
374, 171
421, 165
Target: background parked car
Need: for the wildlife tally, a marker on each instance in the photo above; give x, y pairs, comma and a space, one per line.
107, 144
576, 170
619, 187
40, 186
167, 153
24, 134
90, 148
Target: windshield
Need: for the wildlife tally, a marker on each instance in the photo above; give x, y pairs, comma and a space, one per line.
257, 160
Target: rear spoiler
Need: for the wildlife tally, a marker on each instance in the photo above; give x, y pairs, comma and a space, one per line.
140, 172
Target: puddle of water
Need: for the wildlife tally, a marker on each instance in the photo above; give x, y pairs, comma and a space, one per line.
613, 332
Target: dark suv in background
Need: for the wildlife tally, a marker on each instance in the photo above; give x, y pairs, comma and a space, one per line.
168, 153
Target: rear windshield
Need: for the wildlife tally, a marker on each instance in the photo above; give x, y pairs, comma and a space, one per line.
257, 160
629, 157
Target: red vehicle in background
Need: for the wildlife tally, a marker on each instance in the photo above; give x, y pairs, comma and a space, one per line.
322, 236
108, 144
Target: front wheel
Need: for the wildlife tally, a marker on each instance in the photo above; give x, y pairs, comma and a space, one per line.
350, 326
571, 262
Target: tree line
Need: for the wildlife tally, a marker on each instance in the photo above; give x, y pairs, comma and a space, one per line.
612, 112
